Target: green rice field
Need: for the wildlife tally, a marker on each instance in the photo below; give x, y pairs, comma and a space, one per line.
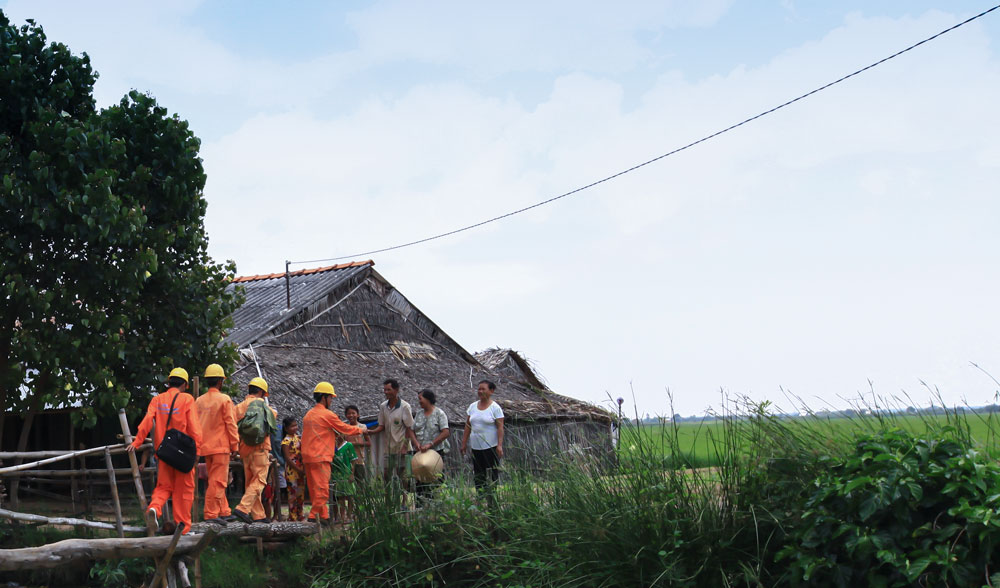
700, 443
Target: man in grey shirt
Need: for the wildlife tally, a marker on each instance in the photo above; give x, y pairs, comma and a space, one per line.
396, 418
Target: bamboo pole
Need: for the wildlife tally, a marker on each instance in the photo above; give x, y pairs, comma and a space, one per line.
196, 554
66, 473
114, 493
39, 519
127, 438
114, 449
161, 566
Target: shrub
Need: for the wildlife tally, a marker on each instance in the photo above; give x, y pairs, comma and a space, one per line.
900, 511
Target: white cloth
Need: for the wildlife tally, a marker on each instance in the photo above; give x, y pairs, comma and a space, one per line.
484, 425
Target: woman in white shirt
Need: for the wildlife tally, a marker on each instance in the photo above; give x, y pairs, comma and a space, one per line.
484, 432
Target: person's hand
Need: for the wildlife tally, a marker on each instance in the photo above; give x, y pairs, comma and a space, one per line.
499, 450
130, 448
462, 451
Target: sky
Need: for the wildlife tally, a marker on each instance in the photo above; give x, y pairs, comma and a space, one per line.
844, 247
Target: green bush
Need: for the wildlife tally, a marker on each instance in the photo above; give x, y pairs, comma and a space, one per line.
900, 511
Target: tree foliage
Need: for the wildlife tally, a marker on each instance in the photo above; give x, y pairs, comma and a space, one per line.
106, 278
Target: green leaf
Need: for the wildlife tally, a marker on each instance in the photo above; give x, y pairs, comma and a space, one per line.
855, 483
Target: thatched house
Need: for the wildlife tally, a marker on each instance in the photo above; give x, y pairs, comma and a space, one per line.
348, 325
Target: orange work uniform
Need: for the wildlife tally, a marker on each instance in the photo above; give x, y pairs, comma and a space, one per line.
256, 462
220, 439
319, 443
170, 483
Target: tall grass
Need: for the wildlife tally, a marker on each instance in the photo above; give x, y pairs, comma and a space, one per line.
650, 521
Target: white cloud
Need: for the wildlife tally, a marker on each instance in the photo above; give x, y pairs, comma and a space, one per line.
489, 39
848, 236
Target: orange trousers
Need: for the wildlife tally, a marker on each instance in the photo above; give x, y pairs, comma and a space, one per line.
318, 481
172, 484
216, 504
256, 463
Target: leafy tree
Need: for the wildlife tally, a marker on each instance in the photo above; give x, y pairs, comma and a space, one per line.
106, 279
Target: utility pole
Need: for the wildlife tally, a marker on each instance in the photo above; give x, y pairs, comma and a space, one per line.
288, 287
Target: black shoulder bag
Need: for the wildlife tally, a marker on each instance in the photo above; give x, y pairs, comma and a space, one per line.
177, 449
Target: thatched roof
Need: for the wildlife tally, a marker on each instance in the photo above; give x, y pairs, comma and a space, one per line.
512, 366
349, 326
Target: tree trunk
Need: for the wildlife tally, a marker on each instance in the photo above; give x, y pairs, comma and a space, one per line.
265, 530
8, 387
22, 441
35, 403
5, 370
71, 551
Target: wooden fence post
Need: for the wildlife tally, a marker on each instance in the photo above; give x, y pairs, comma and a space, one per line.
114, 493
276, 493
127, 439
161, 566
74, 485
196, 554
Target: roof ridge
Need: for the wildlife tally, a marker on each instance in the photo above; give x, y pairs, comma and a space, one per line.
303, 272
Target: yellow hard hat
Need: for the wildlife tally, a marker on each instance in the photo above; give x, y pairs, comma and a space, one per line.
214, 371
260, 383
179, 373
324, 388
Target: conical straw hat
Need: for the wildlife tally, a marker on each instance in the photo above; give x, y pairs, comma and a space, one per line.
427, 466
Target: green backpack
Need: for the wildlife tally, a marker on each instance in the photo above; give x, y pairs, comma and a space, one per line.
257, 424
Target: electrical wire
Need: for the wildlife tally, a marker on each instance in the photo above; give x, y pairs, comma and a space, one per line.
657, 158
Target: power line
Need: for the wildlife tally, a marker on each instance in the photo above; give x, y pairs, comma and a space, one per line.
657, 158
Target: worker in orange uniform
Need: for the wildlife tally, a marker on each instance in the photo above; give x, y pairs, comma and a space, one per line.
319, 443
256, 459
219, 441
170, 483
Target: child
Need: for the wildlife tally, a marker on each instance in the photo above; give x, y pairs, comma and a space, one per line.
360, 443
295, 474
343, 477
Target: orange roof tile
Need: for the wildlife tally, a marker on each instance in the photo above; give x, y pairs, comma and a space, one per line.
303, 272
